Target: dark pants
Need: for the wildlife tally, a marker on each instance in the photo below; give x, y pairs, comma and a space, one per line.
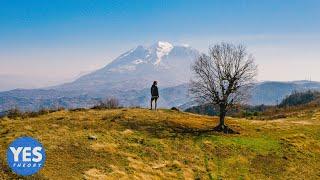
154, 98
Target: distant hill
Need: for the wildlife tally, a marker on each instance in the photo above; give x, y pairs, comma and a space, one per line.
301, 98
268, 93
36, 99
272, 92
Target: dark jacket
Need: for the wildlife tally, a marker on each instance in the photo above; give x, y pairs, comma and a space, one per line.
154, 90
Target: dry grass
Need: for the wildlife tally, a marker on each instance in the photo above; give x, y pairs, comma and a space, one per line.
143, 144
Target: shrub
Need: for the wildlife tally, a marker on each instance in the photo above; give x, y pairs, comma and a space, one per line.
78, 109
37, 113
109, 103
14, 113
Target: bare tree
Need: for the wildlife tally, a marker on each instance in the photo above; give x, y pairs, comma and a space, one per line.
223, 78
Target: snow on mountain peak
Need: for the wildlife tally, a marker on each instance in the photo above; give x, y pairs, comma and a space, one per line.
161, 49
163, 44
146, 56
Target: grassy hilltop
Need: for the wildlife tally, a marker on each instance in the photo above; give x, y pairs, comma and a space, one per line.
143, 144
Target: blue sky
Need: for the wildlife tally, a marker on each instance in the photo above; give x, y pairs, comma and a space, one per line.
53, 41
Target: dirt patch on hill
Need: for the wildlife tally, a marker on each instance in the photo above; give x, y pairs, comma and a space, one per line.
94, 174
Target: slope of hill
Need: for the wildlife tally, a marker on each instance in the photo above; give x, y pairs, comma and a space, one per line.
273, 92
301, 98
143, 144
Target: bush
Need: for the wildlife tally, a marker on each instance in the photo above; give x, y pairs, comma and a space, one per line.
78, 109
14, 113
279, 116
37, 113
109, 103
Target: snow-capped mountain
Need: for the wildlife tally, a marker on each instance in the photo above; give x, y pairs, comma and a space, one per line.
138, 68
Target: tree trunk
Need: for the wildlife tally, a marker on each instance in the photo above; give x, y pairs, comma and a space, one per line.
222, 127
222, 116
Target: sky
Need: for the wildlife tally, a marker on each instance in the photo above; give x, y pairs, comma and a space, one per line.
47, 42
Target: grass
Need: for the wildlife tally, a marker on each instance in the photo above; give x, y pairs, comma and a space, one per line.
144, 144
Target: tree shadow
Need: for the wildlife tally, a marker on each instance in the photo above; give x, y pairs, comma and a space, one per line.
166, 128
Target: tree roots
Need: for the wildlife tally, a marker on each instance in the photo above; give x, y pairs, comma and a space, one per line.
225, 129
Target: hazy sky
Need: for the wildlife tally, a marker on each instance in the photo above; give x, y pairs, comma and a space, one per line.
46, 42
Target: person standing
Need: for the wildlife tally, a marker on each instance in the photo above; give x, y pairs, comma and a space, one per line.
154, 94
